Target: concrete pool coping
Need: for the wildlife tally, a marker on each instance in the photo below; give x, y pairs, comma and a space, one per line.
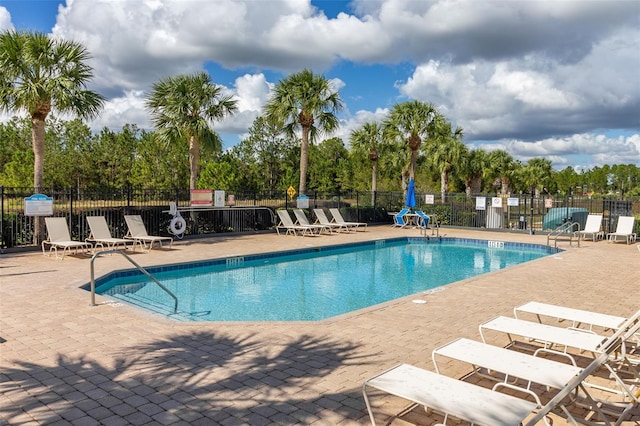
68, 362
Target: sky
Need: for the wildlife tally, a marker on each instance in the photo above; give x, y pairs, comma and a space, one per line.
557, 79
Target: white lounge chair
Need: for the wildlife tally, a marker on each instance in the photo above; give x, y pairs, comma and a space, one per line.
624, 230
100, 234
548, 335
512, 364
287, 223
452, 397
301, 220
578, 317
465, 401
581, 340
138, 233
322, 219
337, 218
59, 237
592, 228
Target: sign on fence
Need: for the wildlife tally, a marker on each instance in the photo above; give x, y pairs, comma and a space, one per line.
38, 205
218, 198
201, 197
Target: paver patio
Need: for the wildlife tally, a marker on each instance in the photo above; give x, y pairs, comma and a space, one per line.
66, 362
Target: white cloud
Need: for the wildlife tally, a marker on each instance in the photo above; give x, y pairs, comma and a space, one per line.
536, 72
252, 92
600, 148
5, 20
126, 109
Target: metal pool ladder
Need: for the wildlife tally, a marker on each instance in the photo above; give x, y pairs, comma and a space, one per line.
140, 268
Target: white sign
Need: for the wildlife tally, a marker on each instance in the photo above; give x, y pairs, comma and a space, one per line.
38, 205
429, 199
481, 203
218, 198
513, 201
496, 202
303, 202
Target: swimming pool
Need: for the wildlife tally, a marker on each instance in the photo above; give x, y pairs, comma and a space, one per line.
312, 284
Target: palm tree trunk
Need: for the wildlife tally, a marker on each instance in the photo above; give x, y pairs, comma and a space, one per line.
37, 137
304, 160
37, 140
414, 157
504, 184
476, 185
444, 185
194, 161
374, 182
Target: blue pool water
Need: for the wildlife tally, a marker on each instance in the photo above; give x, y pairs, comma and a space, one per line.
312, 284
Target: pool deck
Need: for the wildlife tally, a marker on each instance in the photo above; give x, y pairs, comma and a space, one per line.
66, 362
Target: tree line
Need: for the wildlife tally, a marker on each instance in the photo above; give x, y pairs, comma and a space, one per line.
286, 146
269, 160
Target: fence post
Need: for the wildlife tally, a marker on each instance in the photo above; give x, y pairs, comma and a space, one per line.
531, 230
2, 240
70, 204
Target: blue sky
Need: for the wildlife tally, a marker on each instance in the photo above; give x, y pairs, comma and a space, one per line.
552, 79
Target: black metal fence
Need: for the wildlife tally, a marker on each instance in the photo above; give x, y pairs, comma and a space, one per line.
253, 211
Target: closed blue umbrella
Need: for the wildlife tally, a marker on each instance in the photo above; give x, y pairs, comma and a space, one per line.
411, 194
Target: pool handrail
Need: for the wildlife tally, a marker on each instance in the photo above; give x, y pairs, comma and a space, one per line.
140, 268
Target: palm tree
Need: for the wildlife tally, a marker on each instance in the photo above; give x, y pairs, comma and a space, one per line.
446, 151
502, 166
370, 138
472, 167
536, 174
298, 102
184, 108
40, 74
411, 122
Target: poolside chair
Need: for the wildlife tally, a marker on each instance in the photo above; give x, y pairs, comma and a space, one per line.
398, 218
59, 237
449, 396
616, 347
551, 374
423, 219
138, 233
322, 219
337, 218
287, 223
624, 230
301, 220
592, 228
508, 365
101, 235
579, 318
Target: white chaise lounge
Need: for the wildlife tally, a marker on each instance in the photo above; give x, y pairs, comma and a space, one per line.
138, 233
287, 224
101, 235
60, 238
322, 219
592, 228
624, 230
337, 218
